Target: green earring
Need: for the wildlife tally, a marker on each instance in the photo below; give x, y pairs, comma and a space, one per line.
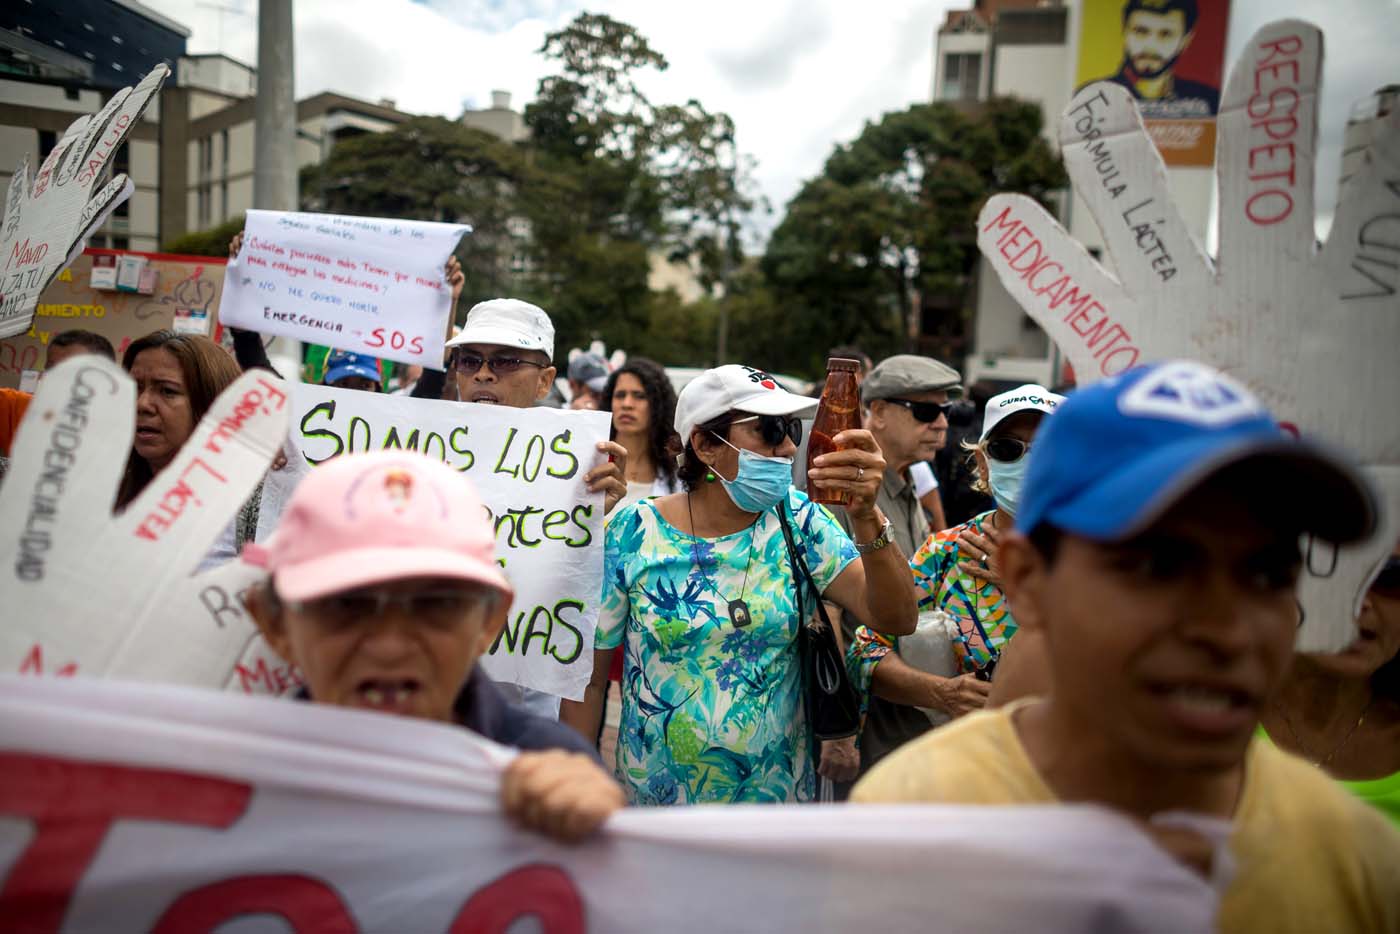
709, 476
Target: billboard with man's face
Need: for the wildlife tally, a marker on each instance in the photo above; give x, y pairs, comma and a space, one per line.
1170, 54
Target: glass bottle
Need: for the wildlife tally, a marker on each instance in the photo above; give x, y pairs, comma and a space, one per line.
839, 411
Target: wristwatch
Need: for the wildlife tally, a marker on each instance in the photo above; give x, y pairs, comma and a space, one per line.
881, 540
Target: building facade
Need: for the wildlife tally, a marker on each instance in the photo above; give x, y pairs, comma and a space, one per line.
1027, 49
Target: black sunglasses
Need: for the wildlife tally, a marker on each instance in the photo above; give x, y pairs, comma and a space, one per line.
926, 412
1389, 577
774, 428
467, 362
1006, 450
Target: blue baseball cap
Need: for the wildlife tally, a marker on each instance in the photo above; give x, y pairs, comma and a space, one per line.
342, 363
1120, 453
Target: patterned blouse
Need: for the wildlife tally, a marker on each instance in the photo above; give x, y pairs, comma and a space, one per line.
711, 712
979, 608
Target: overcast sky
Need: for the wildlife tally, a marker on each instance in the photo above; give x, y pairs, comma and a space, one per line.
797, 76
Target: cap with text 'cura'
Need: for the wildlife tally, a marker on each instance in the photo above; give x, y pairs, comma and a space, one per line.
1032, 397
734, 388
1119, 453
508, 322
375, 517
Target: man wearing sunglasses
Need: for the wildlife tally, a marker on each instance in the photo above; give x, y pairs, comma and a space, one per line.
905, 399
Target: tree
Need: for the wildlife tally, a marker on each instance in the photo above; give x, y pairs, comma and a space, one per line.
881, 246
212, 242
433, 169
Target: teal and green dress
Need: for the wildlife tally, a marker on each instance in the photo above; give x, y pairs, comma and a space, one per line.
710, 712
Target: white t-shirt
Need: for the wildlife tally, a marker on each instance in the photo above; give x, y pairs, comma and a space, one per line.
924, 480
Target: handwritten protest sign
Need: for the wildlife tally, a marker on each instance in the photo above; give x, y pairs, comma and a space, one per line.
528, 465
363, 284
1313, 331
89, 593
152, 808
49, 217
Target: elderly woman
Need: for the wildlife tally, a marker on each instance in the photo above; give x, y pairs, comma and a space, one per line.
699, 591
1341, 711
955, 572
383, 590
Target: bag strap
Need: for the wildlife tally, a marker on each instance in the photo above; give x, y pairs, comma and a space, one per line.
800, 573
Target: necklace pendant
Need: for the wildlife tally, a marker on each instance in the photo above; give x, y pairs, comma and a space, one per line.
739, 613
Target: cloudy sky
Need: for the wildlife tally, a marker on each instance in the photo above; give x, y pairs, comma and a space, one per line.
797, 76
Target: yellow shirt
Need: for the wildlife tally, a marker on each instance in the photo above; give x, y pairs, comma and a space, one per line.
1309, 857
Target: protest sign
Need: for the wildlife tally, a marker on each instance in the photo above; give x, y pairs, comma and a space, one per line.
1312, 330
1171, 60
153, 808
364, 284
186, 300
48, 217
528, 466
89, 593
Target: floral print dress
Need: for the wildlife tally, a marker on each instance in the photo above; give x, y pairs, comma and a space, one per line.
711, 712
978, 608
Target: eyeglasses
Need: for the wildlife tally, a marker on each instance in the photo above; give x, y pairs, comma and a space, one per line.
439, 607
774, 428
1388, 579
1006, 450
468, 363
926, 412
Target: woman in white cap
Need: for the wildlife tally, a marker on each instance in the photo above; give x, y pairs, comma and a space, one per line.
956, 571
698, 589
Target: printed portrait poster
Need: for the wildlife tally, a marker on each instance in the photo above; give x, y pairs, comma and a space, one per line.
1170, 55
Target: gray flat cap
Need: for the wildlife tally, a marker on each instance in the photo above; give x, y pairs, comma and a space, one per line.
908, 373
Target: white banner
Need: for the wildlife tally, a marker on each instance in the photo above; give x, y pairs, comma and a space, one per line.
144, 808
528, 465
370, 285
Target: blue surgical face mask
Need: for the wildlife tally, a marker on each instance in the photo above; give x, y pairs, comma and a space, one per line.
761, 482
1005, 481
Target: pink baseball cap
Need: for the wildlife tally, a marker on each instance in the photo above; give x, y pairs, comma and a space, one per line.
375, 517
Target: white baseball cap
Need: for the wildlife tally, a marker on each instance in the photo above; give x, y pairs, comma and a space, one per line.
733, 388
508, 322
1028, 398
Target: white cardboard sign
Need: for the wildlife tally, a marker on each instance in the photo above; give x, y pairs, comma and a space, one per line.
153, 808
528, 466
364, 284
89, 593
1313, 330
49, 217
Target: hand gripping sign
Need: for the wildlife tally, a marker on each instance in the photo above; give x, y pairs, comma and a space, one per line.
89, 593
1313, 330
48, 218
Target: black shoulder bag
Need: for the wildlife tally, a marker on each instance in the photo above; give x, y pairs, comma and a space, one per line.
833, 707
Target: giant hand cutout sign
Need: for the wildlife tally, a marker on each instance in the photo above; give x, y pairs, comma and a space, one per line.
89, 593
49, 218
1313, 330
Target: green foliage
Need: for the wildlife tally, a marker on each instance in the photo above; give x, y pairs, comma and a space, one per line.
881, 246
213, 242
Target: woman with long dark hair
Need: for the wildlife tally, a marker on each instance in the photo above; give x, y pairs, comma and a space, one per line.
178, 377
643, 406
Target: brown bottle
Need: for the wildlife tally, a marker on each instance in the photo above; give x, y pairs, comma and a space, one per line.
839, 411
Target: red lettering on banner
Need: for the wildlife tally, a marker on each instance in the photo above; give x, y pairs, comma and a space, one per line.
277, 680
33, 664
1084, 314
1273, 109
251, 403
306, 904
173, 501
545, 893
73, 805
23, 254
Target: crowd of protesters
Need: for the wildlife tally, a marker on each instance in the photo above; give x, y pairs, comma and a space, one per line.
1109, 586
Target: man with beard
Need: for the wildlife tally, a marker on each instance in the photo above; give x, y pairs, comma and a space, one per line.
1155, 33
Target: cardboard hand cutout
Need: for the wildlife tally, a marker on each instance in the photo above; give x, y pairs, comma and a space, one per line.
1313, 329
94, 594
49, 218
